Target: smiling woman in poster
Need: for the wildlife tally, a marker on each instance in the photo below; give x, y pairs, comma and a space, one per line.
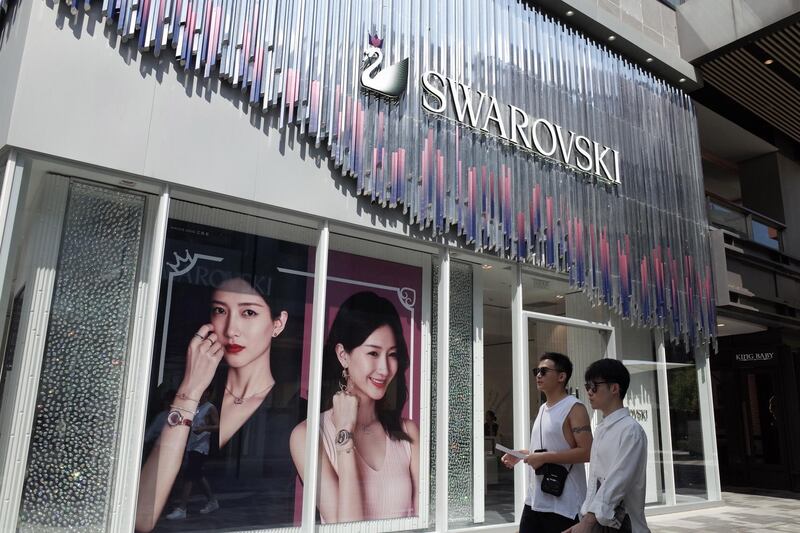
369, 458
242, 327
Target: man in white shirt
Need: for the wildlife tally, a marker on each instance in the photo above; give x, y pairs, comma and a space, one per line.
616, 491
561, 435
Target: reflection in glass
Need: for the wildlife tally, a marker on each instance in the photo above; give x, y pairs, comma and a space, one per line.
240, 299
498, 405
725, 217
11, 339
644, 402
687, 433
761, 418
370, 439
766, 235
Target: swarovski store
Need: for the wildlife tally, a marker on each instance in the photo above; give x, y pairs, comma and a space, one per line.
255, 205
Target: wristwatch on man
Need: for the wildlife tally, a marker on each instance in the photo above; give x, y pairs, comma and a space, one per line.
175, 418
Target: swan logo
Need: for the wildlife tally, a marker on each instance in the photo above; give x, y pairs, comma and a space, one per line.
389, 82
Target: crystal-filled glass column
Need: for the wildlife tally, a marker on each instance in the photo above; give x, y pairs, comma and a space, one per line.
70, 470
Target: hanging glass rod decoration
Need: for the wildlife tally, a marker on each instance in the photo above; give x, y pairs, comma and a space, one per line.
630, 229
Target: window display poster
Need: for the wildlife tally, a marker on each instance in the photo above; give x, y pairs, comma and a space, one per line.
232, 354
227, 355
370, 397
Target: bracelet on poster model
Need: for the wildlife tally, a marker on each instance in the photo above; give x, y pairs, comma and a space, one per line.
182, 396
182, 409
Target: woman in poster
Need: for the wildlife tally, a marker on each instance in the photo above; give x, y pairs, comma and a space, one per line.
244, 321
369, 459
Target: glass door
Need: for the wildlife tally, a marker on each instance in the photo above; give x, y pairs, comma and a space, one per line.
760, 411
583, 342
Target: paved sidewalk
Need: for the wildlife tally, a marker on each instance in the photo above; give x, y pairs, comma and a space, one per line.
740, 513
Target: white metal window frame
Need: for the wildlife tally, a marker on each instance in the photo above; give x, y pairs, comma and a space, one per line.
39, 270
22, 385
126, 503
309, 504
10, 192
708, 428
479, 487
134, 406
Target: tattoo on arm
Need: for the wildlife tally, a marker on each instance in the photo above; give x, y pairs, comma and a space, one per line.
582, 428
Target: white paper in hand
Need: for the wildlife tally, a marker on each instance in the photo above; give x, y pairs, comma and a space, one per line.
518, 455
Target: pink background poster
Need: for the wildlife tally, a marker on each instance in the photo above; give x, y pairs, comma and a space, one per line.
400, 284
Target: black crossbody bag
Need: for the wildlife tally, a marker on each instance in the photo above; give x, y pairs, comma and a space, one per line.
554, 476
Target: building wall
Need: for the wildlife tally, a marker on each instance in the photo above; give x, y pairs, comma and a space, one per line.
119, 109
649, 18
643, 28
759, 285
161, 122
707, 25
760, 183
790, 192
653, 19
13, 30
134, 114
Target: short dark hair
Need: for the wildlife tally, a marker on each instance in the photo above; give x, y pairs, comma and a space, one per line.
610, 371
561, 362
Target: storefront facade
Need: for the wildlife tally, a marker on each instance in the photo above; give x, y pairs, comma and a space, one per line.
562, 211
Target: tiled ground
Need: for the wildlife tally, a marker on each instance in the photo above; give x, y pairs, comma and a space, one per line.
741, 513
771, 511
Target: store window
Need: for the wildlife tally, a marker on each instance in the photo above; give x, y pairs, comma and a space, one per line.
643, 400
688, 455
766, 234
497, 283
74, 287
548, 295
230, 350
375, 411
461, 417
547, 305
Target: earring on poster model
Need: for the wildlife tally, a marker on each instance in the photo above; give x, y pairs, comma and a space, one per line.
344, 382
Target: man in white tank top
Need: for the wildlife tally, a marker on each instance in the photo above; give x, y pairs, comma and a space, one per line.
561, 434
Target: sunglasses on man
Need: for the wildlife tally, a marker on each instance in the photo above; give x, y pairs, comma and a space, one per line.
543, 370
591, 386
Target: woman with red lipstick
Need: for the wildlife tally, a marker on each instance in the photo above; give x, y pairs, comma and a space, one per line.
256, 416
369, 458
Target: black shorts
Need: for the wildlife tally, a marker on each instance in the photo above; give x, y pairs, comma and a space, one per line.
194, 467
539, 522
